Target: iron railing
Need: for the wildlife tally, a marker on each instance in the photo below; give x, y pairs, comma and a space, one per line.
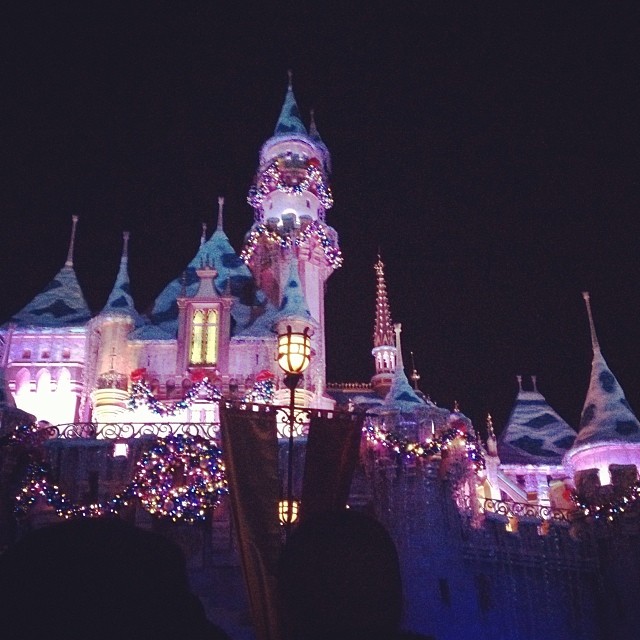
524, 510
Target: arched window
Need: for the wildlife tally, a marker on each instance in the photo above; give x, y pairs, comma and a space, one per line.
204, 337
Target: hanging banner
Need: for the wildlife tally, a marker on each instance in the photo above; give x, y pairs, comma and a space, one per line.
250, 446
333, 447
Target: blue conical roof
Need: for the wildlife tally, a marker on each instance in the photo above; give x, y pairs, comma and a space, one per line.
402, 395
294, 304
606, 415
233, 275
60, 304
535, 433
289, 122
120, 301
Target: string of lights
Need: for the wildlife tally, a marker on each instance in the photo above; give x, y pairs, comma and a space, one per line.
141, 395
181, 478
314, 229
277, 176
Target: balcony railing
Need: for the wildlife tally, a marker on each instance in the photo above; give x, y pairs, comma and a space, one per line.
523, 510
126, 430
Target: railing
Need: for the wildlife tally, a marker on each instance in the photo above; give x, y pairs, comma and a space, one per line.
126, 430
511, 509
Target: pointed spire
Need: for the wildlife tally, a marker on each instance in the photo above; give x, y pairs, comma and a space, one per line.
490, 431
62, 302
220, 210
203, 237
399, 363
415, 376
314, 134
606, 415
125, 246
594, 338
519, 379
492, 444
120, 302
383, 328
72, 241
289, 121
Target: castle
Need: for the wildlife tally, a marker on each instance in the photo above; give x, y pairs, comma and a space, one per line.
213, 332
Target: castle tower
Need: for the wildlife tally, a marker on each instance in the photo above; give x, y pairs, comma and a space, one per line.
290, 197
110, 331
384, 345
607, 446
45, 347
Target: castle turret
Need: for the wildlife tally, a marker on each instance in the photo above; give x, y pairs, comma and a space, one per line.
384, 345
608, 442
110, 331
290, 197
45, 347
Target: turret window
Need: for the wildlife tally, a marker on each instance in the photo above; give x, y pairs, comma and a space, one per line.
204, 337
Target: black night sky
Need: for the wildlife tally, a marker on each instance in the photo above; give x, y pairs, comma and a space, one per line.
489, 149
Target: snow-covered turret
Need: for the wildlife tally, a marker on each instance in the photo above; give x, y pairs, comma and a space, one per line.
45, 346
290, 197
608, 442
532, 445
110, 330
61, 303
535, 434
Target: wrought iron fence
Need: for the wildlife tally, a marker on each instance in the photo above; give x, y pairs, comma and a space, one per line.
126, 430
512, 509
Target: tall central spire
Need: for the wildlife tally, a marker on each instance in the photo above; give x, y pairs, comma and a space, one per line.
383, 328
384, 349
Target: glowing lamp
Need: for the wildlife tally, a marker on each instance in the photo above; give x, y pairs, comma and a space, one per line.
120, 449
283, 511
294, 350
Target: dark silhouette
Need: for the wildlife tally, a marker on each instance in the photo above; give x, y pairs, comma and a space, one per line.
339, 578
98, 578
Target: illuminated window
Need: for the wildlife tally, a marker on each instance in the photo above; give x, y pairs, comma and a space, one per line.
204, 337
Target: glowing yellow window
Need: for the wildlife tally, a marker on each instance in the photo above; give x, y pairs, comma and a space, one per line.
204, 337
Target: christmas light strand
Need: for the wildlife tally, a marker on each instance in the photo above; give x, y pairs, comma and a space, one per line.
181, 478
612, 507
277, 176
447, 439
262, 392
315, 229
141, 395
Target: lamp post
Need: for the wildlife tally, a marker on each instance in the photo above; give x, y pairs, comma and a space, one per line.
294, 355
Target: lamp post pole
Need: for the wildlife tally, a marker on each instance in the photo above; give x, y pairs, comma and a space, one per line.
294, 354
291, 381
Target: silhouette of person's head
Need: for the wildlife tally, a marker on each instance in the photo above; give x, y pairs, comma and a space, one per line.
339, 577
98, 579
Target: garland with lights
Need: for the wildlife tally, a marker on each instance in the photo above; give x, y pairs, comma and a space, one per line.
406, 448
262, 392
141, 395
609, 509
36, 485
315, 229
275, 177
181, 477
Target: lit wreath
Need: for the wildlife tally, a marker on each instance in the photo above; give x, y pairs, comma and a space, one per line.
181, 478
